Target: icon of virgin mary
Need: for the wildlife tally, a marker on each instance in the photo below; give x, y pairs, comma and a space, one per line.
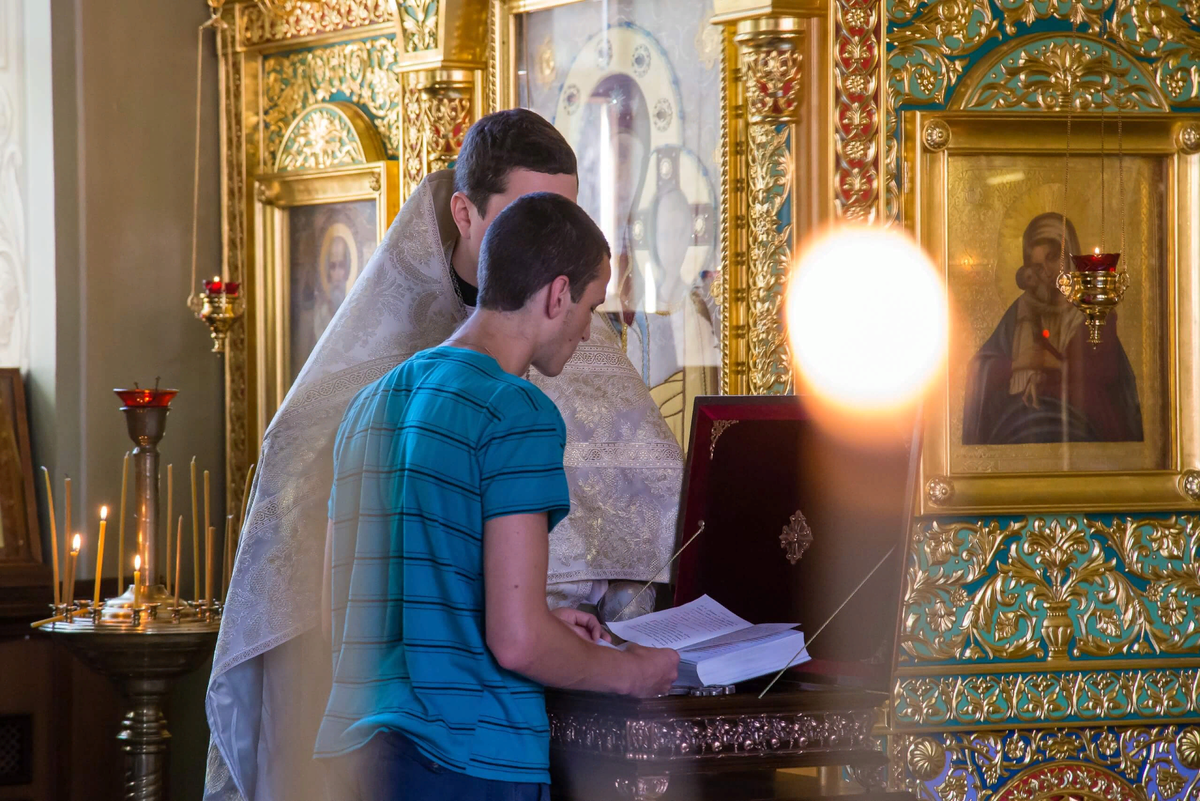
1037, 379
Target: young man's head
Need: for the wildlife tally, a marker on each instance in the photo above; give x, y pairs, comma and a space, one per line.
506, 155
544, 259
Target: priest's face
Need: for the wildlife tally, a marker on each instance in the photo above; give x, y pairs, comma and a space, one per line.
520, 182
573, 326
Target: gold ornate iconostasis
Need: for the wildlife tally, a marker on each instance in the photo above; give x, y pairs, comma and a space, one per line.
1050, 631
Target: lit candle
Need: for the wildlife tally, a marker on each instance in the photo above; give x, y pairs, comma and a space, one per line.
121, 526
195, 537
1097, 251
100, 555
76, 543
170, 493
53, 537
67, 587
137, 580
178, 550
208, 542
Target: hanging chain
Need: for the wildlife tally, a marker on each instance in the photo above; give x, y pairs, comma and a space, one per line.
1121, 189
1062, 254
214, 21
1103, 194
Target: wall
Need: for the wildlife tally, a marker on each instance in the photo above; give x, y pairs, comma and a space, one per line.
115, 234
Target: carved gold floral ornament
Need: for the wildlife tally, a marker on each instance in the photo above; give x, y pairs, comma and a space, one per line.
926, 758
1051, 74
1058, 697
1115, 764
936, 135
1052, 589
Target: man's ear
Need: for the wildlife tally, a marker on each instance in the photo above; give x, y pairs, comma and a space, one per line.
460, 209
558, 297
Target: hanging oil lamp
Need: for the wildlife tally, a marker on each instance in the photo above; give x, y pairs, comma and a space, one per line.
220, 304
1094, 285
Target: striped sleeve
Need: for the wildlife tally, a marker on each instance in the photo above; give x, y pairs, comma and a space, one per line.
521, 466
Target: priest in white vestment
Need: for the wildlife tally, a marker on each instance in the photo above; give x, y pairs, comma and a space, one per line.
270, 678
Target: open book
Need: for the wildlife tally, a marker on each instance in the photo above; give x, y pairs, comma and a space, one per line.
715, 646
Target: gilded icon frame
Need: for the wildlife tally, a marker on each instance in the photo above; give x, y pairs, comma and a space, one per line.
931, 140
268, 309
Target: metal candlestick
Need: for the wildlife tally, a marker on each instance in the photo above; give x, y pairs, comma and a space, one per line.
147, 424
141, 641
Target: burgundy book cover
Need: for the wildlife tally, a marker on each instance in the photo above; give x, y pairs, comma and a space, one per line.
758, 467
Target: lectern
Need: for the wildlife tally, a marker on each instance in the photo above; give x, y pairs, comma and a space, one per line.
794, 518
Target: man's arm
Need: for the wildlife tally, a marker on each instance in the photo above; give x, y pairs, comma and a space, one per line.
327, 586
526, 638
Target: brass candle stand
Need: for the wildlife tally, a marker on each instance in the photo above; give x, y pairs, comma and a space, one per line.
142, 640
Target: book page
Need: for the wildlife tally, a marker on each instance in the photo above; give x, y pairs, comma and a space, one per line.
741, 639
694, 622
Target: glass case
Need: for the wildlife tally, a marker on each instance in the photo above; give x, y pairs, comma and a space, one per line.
634, 86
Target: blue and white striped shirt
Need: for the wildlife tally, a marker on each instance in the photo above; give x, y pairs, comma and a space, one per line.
423, 457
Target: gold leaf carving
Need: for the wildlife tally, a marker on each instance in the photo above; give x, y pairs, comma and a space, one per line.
366, 72
936, 135
924, 51
1050, 74
771, 68
289, 19
1016, 698
770, 187
1113, 763
1187, 748
447, 117
321, 137
436, 118
926, 758
1049, 589
939, 489
772, 83
1189, 142
856, 117
1088, 13
419, 21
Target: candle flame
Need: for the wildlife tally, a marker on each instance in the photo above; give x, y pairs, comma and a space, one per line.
137, 562
103, 512
1097, 251
76, 542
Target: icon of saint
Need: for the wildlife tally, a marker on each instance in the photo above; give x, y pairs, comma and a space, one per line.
1037, 379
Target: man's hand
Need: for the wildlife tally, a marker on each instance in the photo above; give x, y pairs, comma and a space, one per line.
583, 624
656, 669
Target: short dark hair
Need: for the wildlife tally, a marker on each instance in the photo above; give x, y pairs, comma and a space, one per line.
537, 238
504, 141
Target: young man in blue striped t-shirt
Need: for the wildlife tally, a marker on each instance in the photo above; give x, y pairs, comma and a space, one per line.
448, 476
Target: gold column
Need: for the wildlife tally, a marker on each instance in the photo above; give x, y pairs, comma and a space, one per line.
443, 66
762, 88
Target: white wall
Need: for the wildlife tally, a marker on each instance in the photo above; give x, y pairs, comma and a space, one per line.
14, 266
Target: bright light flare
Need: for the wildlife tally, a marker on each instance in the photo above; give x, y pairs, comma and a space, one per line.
867, 318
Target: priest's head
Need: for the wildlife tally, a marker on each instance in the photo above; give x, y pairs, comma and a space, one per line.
504, 156
544, 263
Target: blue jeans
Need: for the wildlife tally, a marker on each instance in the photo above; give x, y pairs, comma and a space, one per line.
390, 768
